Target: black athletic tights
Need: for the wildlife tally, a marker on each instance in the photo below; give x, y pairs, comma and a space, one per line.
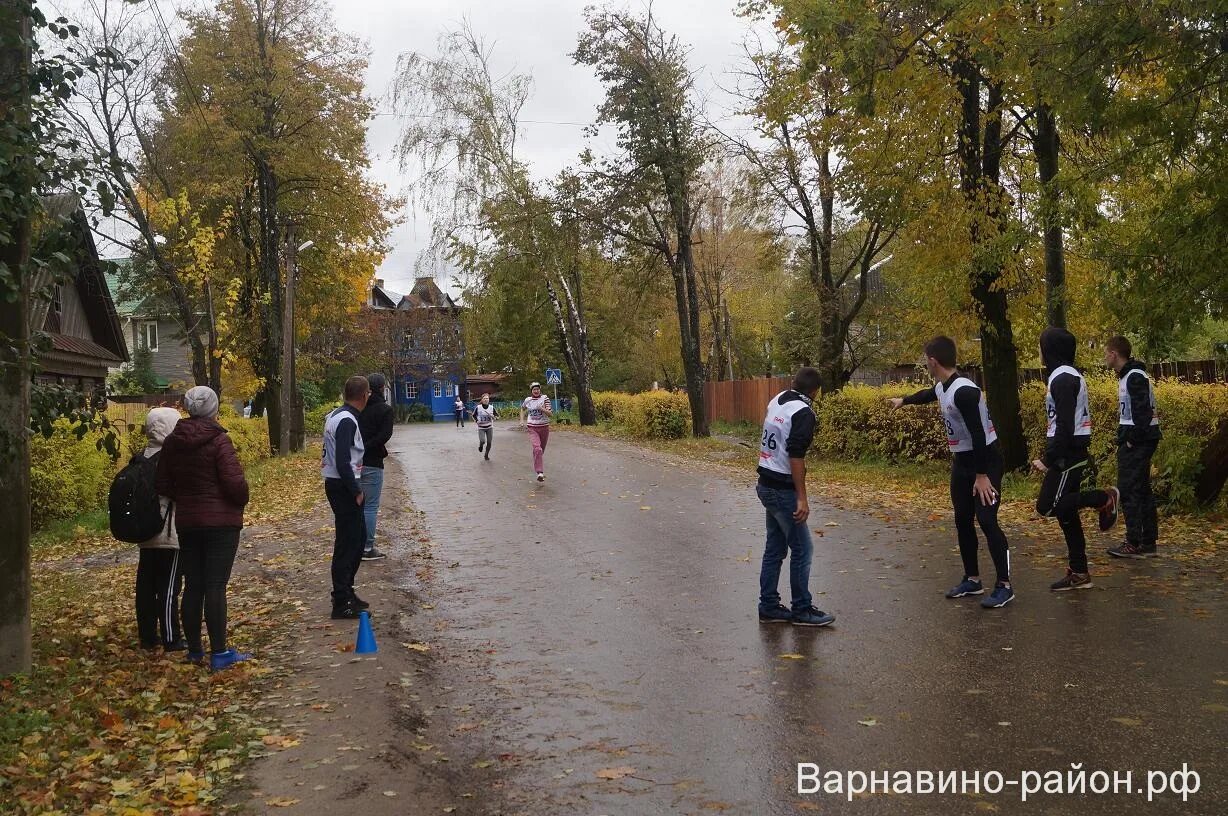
206, 556
1061, 497
969, 511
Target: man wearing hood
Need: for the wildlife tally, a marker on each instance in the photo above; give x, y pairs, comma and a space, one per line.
158, 577
200, 472
1066, 458
375, 423
1138, 433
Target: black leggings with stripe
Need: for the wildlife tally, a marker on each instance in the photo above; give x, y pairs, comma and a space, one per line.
969, 511
1061, 498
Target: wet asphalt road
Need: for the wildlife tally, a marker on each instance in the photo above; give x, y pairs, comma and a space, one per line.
605, 621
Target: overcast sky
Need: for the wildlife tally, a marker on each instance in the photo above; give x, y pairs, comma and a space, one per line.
529, 36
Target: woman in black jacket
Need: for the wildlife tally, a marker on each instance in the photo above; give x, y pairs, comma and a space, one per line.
375, 425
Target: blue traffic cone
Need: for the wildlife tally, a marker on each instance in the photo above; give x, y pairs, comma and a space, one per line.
366, 638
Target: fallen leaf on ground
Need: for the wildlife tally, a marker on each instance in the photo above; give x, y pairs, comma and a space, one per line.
615, 773
281, 801
868, 723
793, 657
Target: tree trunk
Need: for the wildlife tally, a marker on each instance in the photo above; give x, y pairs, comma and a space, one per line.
17, 180
270, 279
1045, 145
980, 171
1214, 461
573, 342
692, 364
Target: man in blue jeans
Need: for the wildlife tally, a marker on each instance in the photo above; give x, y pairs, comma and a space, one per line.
375, 422
788, 430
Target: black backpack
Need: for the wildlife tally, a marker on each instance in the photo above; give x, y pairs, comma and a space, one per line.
136, 515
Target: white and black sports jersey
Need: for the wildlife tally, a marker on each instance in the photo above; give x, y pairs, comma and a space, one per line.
1083, 414
536, 408
959, 437
485, 415
329, 466
774, 446
1124, 405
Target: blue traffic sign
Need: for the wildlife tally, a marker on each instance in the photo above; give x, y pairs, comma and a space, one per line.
554, 376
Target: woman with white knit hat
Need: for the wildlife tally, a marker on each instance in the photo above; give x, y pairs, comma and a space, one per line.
201, 473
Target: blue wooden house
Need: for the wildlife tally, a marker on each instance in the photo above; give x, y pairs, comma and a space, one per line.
428, 357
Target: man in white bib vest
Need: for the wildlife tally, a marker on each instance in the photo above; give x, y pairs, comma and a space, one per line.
1138, 433
976, 469
788, 430
341, 467
1066, 457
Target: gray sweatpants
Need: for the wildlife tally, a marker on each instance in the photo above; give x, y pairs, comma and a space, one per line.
486, 436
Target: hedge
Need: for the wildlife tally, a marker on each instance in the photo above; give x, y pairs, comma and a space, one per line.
71, 476
313, 420
68, 475
856, 423
649, 415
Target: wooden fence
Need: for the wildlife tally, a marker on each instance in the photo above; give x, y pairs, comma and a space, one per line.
742, 400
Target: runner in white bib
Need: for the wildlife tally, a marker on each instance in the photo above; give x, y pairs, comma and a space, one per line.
484, 414
1138, 434
976, 469
788, 430
535, 413
1066, 458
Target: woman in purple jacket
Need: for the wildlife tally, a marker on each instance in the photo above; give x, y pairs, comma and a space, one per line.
200, 472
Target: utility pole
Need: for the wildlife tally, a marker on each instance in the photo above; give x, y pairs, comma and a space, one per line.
17, 180
287, 345
289, 388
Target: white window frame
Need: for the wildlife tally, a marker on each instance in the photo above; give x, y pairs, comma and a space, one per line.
411, 390
143, 332
439, 389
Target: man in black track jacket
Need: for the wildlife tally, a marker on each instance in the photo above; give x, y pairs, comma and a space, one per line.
1065, 460
1138, 433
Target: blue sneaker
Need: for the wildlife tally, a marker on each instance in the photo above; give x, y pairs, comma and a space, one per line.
812, 617
1001, 596
965, 587
226, 659
775, 614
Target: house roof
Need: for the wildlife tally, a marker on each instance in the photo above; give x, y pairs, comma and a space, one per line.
79, 345
65, 218
115, 269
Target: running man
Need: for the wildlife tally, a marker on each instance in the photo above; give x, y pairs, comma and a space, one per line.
976, 469
788, 430
1138, 433
537, 408
459, 408
1065, 459
485, 415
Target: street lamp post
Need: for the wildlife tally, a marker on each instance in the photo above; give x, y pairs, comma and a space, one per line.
287, 345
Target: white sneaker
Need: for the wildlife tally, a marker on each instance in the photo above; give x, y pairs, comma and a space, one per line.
541, 477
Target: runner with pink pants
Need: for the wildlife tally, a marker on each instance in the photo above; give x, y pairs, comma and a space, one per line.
535, 413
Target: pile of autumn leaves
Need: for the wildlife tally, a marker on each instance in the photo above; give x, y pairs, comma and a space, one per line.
100, 726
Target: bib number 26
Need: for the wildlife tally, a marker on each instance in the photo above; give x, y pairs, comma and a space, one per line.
769, 440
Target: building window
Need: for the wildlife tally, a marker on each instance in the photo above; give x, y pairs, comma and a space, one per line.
411, 390
148, 336
439, 389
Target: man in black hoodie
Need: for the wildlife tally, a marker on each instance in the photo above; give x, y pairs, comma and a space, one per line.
1138, 433
375, 423
1066, 458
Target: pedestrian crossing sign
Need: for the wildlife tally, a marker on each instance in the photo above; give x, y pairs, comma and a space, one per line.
554, 376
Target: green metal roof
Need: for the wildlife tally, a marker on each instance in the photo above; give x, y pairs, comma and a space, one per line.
126, 306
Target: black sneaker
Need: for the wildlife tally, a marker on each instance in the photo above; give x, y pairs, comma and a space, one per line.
1073, 580
360, 603
812, 617
777, 614
347, 612
480, 448
1109, 513
180, 645
1129, 550
372, 555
